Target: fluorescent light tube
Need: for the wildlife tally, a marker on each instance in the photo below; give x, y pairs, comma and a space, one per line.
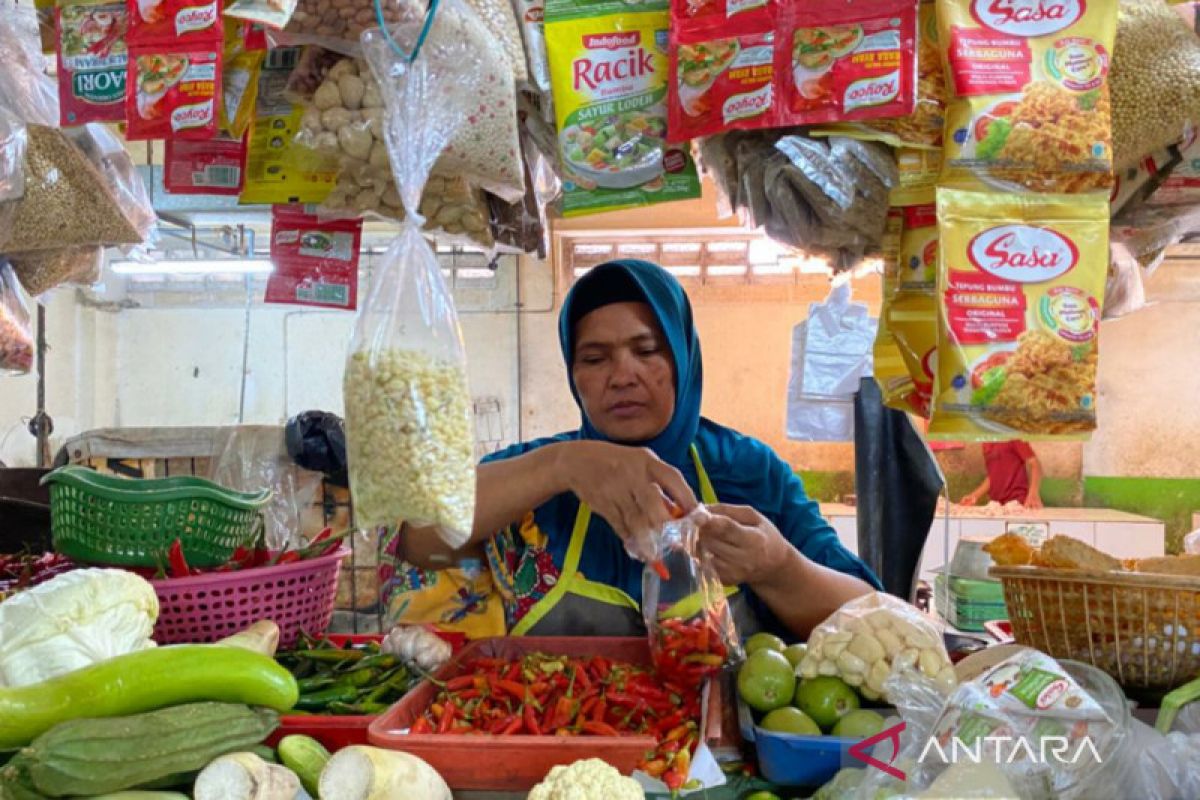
260, 266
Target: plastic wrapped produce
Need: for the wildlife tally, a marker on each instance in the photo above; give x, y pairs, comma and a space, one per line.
409, 426
42, 270
692, 634
16, 334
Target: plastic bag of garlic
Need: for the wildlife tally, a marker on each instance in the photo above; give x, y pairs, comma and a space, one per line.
409, 428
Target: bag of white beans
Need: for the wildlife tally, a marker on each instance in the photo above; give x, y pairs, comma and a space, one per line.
409, 424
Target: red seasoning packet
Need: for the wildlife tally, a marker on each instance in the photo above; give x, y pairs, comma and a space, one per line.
820, 62
316, 261
178, 21
748, 12
173, 92
215, 166
90, 43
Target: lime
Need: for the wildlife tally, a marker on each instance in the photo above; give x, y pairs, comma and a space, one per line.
762, 796
766, 681
861, 723
764, 641
826, 699
795, 653
790, 720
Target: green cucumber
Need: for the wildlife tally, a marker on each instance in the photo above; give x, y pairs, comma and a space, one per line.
97, 756
143, 681
306, 757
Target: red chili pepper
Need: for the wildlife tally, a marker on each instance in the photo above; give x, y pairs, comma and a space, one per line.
177, 563
511, 687
461, 682
661, 569
513, 727
447, 719
531, 723
598, 710
421, 726
600, 729
290, 557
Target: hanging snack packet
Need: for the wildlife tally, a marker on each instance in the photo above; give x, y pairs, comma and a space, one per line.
608, 64
279, 169
889, 369
16, 332
1020, 286
216, 166
274, 14
92, 61
174, 92
919, 171
1029, 107
316, 261
239, 79
174, 21
839, 62
531, 16
409, 427
685, 607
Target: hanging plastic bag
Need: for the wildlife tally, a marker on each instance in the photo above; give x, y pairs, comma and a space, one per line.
687, 613
16, 333
409, 425
831, 352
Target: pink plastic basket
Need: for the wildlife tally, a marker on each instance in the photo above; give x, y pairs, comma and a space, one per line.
205, 608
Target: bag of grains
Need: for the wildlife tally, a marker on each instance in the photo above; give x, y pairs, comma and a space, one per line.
42, 270
409, 426
1155, 80
16, 332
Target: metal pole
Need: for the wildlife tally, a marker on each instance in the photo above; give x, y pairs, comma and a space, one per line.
41, 425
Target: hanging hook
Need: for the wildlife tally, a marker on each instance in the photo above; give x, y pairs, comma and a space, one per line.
433, 4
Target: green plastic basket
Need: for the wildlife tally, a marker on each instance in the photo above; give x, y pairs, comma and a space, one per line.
102, 519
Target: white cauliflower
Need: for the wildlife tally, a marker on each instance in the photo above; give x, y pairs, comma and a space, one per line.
590, 779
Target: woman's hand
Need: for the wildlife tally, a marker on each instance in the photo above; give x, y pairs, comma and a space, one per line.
745, 546
627, 486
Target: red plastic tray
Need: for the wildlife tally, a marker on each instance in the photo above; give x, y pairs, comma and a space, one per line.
336, 732
510, 763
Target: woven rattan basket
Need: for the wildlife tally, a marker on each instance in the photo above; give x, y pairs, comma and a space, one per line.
1144, 630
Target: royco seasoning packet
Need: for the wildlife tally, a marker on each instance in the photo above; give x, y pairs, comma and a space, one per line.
215, 166
923, 127
174, 21
608, 67
1020, 287
1029, 107
316, 261
802, 64
91, 62
173, 93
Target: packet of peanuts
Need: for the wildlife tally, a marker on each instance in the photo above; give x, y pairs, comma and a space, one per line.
871, 636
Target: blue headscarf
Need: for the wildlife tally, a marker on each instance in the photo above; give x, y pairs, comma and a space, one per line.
640, 281
742, 470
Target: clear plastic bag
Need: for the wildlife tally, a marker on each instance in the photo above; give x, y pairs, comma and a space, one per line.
409, 426
1155, 80
684, 605
16, 332
831, 353
869, 638
253, 458
43, 270
12, 156
1191, 546
1125, 290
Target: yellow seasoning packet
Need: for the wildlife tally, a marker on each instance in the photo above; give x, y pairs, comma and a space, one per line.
608, 69
278, 168
239, 80
890, 371
1020, 289
919, 172
1029, 105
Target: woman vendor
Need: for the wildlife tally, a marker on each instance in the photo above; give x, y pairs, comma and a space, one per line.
566, 505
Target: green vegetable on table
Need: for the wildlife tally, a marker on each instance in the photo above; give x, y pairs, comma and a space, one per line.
354, 680
97, 756
145, 681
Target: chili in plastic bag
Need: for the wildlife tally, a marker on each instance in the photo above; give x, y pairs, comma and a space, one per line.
685, 607
16, 333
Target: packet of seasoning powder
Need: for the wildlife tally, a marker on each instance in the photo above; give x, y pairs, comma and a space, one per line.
92, 58
174, 92
178, 21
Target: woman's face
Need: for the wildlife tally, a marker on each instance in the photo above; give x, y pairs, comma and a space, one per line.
624, 372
